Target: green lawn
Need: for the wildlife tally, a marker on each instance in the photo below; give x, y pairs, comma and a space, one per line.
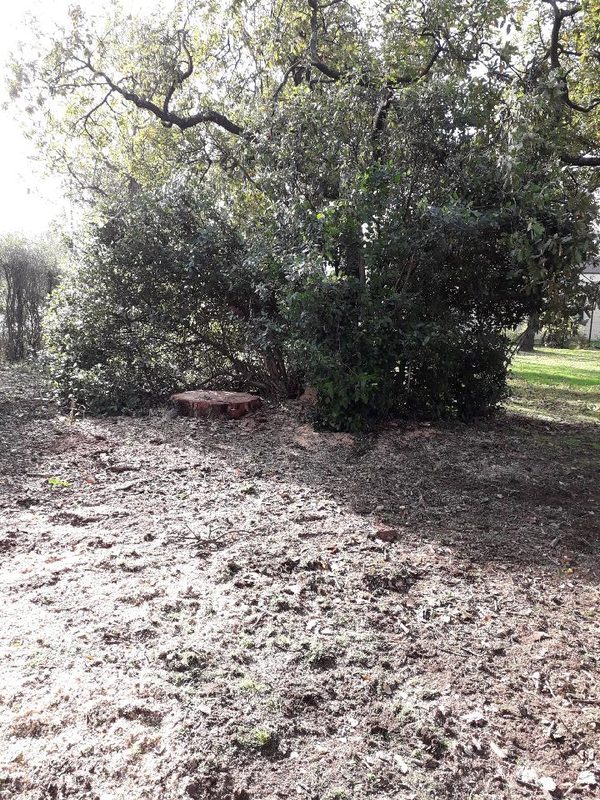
561, 385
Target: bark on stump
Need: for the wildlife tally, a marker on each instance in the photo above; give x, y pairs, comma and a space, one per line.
215, 404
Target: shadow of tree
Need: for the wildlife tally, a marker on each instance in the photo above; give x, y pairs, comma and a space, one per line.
510, 489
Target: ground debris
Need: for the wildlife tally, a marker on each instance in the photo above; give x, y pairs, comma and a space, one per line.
239, 629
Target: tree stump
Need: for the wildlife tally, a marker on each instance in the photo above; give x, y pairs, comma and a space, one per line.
215, 404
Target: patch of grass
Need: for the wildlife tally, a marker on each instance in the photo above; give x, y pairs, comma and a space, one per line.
559, 385
258, 739
321, 655
248, 684
59, 483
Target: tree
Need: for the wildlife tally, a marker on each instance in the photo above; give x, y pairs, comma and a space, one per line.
393, 163
27, 276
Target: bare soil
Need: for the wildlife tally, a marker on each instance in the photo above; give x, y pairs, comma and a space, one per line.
251, 610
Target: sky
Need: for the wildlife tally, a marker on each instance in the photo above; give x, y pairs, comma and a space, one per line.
28, 202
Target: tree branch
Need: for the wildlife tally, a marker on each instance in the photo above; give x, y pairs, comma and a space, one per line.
181, 75
555, 51
315, 61
286, 76
580, 161
388, 98
170, 118
560, 15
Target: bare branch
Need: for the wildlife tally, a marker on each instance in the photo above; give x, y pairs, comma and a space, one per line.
181, 75
167, 117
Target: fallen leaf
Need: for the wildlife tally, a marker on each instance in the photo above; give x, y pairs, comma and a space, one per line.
384, 533
528, 776
474, 718
547, 783
400, 763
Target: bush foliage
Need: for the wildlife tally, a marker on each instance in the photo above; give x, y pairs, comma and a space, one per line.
168, 296
174, 293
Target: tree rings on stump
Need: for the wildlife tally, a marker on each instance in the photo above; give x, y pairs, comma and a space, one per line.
215, 404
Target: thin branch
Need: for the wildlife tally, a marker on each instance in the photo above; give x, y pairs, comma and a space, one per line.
181, 75
389, 94
294, 65
86, 118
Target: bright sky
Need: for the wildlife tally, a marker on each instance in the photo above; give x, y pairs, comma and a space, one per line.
28, 201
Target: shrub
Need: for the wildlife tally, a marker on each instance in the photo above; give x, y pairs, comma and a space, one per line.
422, 334
168, 296
385, 311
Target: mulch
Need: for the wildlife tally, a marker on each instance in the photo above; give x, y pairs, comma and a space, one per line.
253, 609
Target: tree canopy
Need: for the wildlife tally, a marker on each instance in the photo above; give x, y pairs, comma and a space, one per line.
403, 180
213, 83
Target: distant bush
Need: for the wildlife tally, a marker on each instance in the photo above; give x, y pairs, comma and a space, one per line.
28, 273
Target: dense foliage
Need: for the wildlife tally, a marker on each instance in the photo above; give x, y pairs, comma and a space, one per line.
168, 295
28, 273
358, 196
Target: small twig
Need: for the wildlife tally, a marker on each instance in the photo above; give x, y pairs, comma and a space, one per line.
591, 701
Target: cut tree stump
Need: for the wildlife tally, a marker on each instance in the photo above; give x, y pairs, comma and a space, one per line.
215, 404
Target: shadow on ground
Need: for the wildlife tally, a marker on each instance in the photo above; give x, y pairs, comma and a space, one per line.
242, 610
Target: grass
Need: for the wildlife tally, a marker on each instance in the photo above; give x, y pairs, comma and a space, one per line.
559, 385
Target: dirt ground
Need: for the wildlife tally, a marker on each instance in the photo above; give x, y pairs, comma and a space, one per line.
252, 610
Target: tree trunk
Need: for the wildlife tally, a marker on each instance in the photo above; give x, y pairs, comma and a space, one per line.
527, 341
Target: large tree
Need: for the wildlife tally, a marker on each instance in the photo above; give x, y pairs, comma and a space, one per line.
432, 155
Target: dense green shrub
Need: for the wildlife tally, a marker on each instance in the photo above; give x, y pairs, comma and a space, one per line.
421, 333
172, 295
168, 296
384, 312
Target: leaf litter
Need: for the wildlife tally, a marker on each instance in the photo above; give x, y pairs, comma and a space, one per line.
215, 610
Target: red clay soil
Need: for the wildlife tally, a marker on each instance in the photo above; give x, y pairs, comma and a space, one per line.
231, 610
